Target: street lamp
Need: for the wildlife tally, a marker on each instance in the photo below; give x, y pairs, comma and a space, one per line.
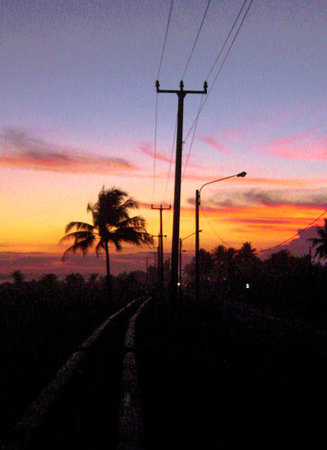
197, 232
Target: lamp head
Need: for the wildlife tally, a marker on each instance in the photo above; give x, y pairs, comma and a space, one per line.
241, 174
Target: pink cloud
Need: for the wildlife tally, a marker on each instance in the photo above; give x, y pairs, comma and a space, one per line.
146, 148
232, 135
212, 142
302, 147
20, 150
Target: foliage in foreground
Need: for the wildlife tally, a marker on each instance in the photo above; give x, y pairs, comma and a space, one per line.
41, 325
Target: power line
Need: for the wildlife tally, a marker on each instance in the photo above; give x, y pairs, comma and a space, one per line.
170, 164
208, 222
156, 107
295, 235
222, 48
165, 38
184, 72
221, 65
196, 39
155, 148
193, 135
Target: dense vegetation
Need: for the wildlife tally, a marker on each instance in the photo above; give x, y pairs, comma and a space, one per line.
43, 322
284, 284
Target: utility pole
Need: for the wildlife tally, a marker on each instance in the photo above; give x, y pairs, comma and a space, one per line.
181, 93
197, 246
160, 246
158, 254
146, 271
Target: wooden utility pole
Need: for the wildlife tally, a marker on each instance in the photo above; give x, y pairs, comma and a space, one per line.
158, 255
146, 271
181, 93
197, 246
160, 245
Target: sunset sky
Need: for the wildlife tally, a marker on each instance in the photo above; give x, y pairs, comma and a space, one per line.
78, 106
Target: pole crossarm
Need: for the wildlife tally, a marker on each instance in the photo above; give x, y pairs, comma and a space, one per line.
181, 89
163, 208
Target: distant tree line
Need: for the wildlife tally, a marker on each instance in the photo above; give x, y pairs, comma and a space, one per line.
282, 282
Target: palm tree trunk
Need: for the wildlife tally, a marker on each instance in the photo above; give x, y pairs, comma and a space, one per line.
108, 268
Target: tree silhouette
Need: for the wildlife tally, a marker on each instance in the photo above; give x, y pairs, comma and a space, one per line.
18, 277
247, 253
321, 242
111, 224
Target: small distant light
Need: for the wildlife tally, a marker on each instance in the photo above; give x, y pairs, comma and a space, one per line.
247, 286
179, 283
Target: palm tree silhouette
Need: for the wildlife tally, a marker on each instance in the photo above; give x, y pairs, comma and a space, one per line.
111, 224
320, 242
247, 253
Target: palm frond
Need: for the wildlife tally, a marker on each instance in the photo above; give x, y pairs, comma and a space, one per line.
77, 236
132, 222
132, 236
100, 246
116, 241
130, 203
315, 241
320, 242
82, 245
79, 226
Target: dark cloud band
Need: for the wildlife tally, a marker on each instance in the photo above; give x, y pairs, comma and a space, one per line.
21, 150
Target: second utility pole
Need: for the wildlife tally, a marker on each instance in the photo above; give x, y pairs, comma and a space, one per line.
178, 177
160, 256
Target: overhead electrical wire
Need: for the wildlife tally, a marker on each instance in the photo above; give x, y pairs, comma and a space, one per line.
196, 39
202, 102
155, 148
222, 48
295, 235
165, 38
156, 107
193, 135
183, 74
209, 223
170, 163
224, 59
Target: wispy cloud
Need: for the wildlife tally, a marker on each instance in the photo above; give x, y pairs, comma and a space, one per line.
212, 142
307, 146
270, 198
21, 150
147, 149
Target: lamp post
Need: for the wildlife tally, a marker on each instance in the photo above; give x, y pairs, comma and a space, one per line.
197, 232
